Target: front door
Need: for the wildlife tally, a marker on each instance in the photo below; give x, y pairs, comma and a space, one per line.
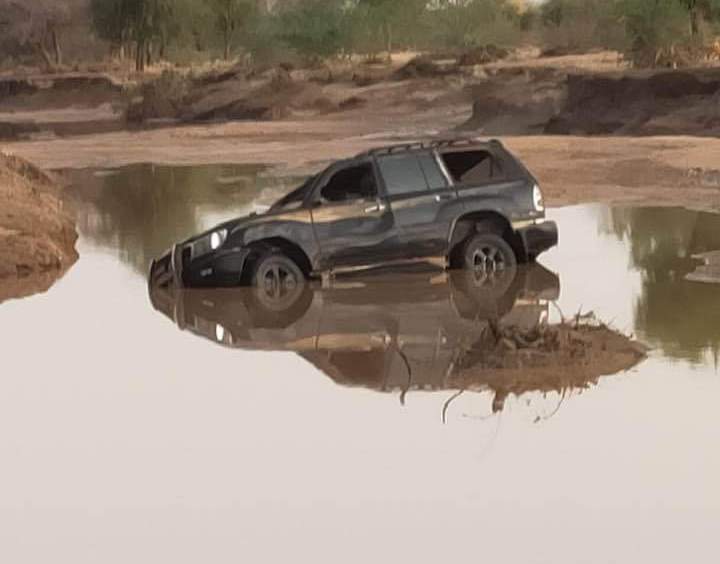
354, 226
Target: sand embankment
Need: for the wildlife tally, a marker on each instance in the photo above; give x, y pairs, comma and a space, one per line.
37, 235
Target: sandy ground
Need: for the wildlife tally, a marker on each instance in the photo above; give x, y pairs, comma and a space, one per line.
647, 170
679, 170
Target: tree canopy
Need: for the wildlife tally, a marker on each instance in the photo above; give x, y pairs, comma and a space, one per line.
148, 30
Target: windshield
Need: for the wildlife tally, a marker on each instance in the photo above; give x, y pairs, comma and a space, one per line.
296, 196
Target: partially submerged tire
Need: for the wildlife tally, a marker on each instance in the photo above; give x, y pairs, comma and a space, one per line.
280, 293
488, 255
276, 276
486, 287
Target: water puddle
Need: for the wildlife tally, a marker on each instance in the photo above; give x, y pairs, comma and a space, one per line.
196, 424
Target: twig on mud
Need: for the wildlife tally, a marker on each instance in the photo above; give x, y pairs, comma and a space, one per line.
405, 360
554, 411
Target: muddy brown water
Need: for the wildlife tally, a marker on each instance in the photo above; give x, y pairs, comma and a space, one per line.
191, 428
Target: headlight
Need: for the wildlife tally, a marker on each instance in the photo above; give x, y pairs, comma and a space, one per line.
208, 243
217, 238
538, 201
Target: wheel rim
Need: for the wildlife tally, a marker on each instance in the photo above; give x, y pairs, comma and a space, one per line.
277, 281
488, 259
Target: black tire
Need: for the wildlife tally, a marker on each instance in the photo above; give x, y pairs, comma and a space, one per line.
279, 290
478, 297
488, 254
274, 271
274, 315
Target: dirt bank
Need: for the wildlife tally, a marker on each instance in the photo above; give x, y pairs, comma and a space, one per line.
60, 104
650, 170
641, 103
37, 237
592, 94
516, 100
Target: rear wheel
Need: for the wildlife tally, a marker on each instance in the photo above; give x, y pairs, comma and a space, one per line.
489, 256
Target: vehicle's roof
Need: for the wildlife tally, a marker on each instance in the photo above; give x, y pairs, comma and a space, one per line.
455, 142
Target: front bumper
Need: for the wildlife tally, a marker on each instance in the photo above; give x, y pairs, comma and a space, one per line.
176, 267
538, 237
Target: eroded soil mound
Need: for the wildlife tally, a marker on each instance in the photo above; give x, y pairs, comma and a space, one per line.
57, 90
43, 105
560, 102
232, 95
546, 358
641, 103
37, 237
516, 101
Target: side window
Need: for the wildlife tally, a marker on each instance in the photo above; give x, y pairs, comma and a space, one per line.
472, 166
434, 176
409, 173
353, 183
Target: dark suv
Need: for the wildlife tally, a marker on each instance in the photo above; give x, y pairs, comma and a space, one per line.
468, 202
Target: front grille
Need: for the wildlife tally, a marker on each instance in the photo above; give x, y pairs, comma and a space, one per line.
201, 247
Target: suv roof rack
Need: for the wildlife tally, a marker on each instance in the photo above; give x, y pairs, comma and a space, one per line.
435, 144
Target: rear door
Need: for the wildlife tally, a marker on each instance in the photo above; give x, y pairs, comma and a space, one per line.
353, 224
422, 199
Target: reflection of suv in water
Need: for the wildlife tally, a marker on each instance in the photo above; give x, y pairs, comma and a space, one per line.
386, 332
468, 202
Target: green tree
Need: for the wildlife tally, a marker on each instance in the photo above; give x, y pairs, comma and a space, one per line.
467, 23
653, 25
312, 28
35, 27
140, 24
578, 25
230, 16
385, 24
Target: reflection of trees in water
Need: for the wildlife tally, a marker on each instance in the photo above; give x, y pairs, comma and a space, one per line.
143, 209
683, 317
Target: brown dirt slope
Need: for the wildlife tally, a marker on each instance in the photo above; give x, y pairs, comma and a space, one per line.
641, 103
37, 237
516, 101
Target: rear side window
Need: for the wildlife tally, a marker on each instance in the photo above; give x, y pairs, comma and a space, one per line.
468, 167
410, 173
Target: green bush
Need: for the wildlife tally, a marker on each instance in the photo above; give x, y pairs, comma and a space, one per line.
312, 28
465, 25
580, 25
654, 26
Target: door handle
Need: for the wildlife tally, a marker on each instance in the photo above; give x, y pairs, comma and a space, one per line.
375, 208
443, 197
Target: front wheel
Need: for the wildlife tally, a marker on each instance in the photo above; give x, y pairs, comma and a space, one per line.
281, 295
488, 255
277, 278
